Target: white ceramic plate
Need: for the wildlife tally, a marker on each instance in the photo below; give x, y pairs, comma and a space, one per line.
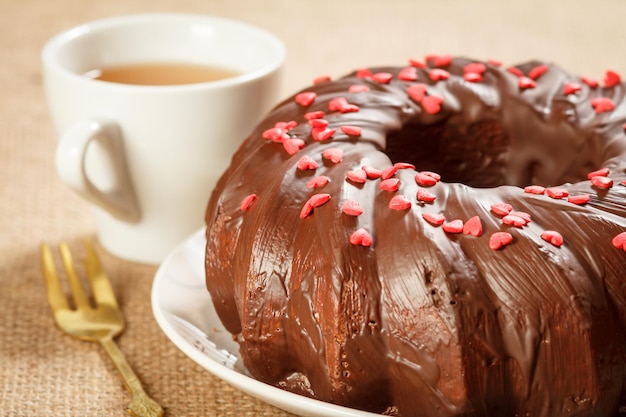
184, 310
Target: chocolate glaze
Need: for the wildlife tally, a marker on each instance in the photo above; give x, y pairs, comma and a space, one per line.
427, 323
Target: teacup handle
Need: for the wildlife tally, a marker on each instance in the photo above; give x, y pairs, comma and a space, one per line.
120, 200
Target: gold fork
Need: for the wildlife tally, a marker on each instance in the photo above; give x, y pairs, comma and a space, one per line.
94, 324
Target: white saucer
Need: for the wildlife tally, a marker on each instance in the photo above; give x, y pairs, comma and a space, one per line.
184, 311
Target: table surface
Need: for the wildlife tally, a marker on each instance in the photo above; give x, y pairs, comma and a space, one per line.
43, 372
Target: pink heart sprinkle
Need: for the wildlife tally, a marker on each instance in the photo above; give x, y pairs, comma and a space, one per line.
306, 163
391, 184
399, 202
417, 92
425, 196
318, 123
322, 133
361, 237
500, 239
318, 182
337, 104
275, 134
556, 192
382, 77
292, 146
372, 173
408, 74
334, 155
358, 88
537, 72
306, 98
579, 199
501, 209
435, 219
425, 180
535, 189
454, 226
351, 130
357, 176
472, 77
473, 227
512, 220
553, 237
599, 173
571, 88
317, 200
602, 182
432, 104
602, 104
526, 83
589, 81
611, 79
475, 68
619, 241
246, 203
314, 115
351, 208
438, 74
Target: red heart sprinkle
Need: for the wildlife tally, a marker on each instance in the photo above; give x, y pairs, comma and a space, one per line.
553, 237
472, 77
500, 239
321, 134
357, 176
247, 202
425, 196
473, 227
425, 180
306, 162
306, 99
589, 81
619, 241
579, 199
603, 183
434, 219
275, 134
399, 202
599, 173
602, 104
525, 82
316, 200
391, 171
475, 67
556, 192
321, 79
314, 115
318, 182
292, 146
417, 64
537, 72
351, 208
372, 173
337, 104
382, 77
432, 104
571, 88
358, 88
611, 79
334, 155
513, 220
454, 226
439, 60
364, 73
438, 74
521, 214
319, 123
391, 184
535, 189
351, 130
501, 209
408, 74
361, 237
417, 92
515, 71
286, 125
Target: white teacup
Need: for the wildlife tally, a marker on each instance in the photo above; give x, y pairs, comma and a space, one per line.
148, 157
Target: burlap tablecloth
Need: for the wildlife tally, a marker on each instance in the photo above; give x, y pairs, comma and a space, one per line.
42, 371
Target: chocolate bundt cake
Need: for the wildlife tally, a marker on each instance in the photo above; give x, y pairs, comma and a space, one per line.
442, 239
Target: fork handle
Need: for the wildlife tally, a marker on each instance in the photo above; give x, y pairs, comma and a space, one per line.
141, 405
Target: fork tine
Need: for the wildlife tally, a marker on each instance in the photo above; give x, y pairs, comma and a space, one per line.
102, 289
56, 297
80, 299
